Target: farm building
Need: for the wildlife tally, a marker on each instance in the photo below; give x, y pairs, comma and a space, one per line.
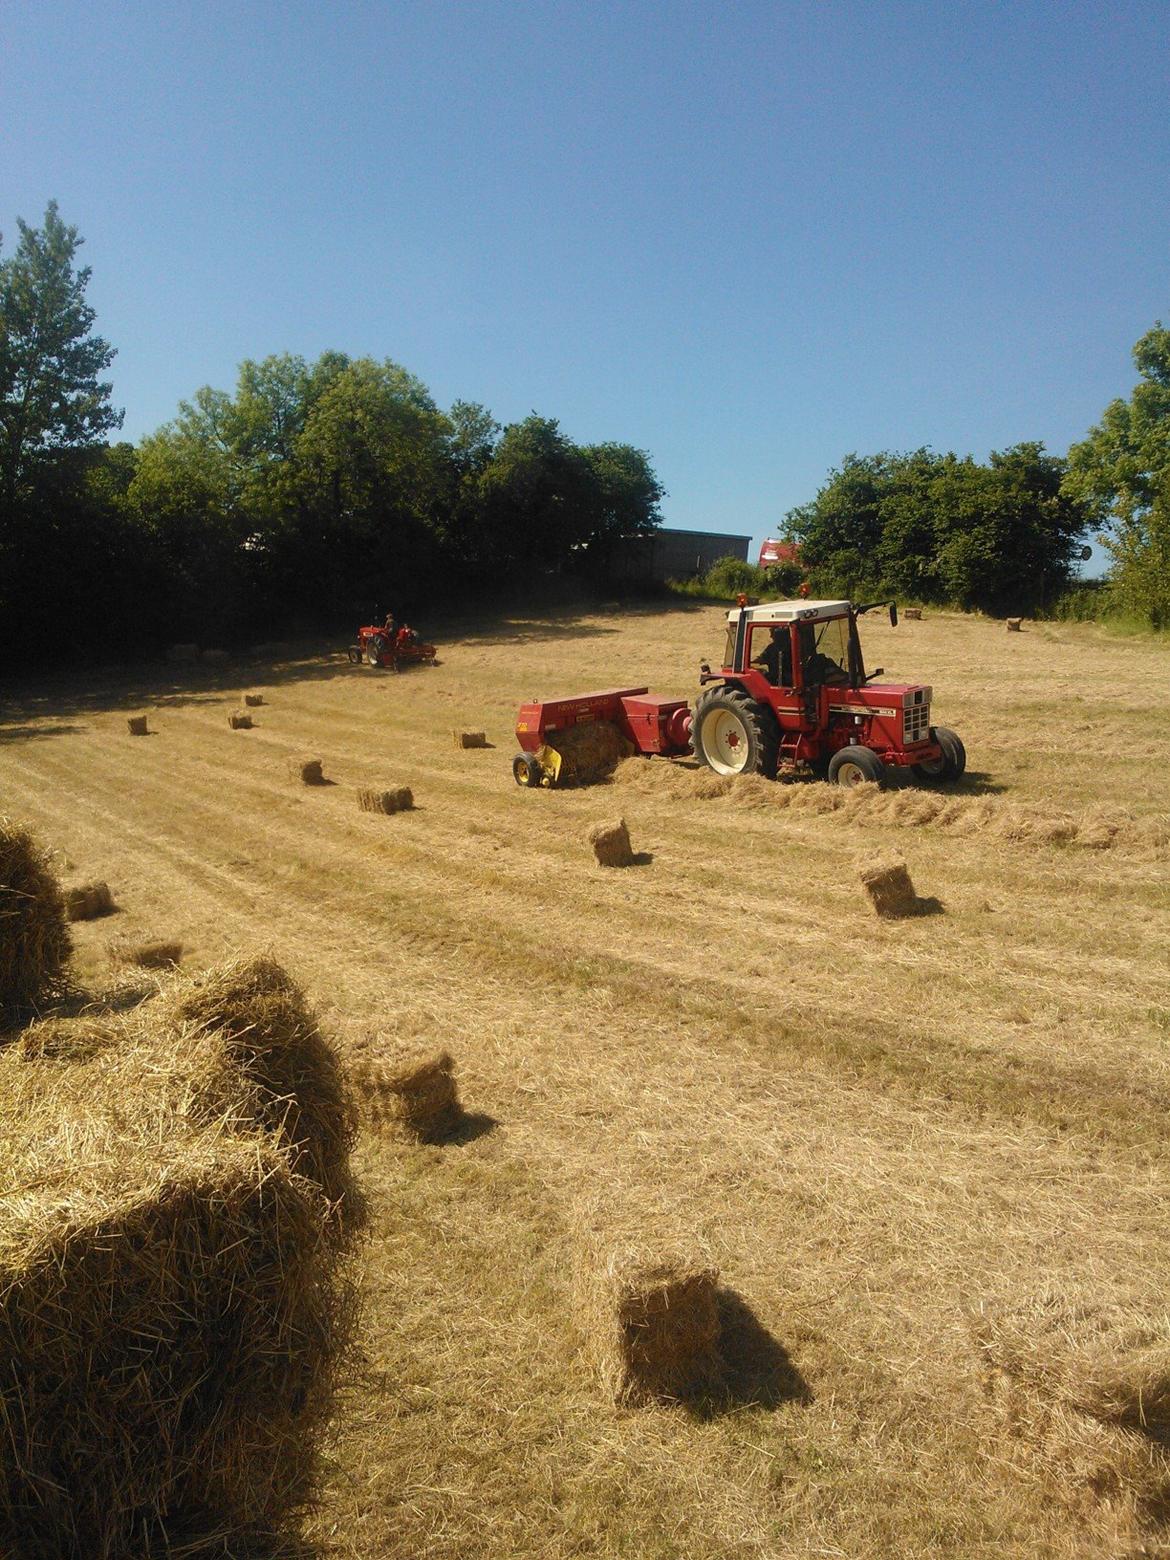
673, 555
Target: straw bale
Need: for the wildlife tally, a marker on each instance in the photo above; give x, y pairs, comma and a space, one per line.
86, 901
590, 751
34, 938
400, 799
889, 888
913, 613
253, 700
183, 654
413, 1095
147, 955
261, 1027
309, 771
470, 739
611, 843
1014, 625
137, 725
240, 720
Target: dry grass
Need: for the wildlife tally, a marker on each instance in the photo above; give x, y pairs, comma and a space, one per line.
35, 945
870, 1126
174, 1299
150, 955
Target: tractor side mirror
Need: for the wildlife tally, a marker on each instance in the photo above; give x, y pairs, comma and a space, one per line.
893, 614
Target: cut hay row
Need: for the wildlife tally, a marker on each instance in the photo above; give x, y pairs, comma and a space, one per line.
34, 938
87, 901
401, 799
907, 807
174, 1298
414, 1096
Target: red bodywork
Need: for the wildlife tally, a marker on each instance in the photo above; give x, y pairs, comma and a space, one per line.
653, 724
381, 648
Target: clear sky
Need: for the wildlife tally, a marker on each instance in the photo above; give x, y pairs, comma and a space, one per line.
748, 238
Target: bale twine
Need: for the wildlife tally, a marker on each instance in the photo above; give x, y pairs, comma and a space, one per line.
148, 955
1014, 625
137, 725
470, 739
611, 844
651, 1321
240, 720
913, 613
309, 771
399, 800
260, 1027
253, 700
415, 1096
172, 1320
34, 938
183, 654
889, 888
86, 901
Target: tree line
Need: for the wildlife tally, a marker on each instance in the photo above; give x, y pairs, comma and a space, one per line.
304, 498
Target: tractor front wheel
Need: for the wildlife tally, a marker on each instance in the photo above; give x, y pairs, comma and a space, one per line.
854, 765
525, 770
734, 735
940, 771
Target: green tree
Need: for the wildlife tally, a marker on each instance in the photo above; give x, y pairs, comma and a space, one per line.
1121, 470
51, 399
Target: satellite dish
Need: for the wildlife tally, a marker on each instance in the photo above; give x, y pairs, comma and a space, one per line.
1086, 554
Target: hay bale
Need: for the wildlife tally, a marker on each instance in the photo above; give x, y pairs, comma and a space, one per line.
34, 938
611, 844
889, 888
86, 901
137, 725
652, 1321
172, 1319
183, 655
148, 955
415, 1096
240, 720
1014, 625
253, 700
399, 800
470, 739
261, 1028
913, 613
309, 771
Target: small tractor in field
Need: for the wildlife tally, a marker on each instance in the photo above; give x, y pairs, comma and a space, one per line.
793, 690
378, 645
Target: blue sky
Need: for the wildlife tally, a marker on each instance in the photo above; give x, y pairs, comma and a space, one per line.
748, 238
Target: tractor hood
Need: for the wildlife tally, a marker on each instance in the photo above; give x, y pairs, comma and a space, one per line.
899, 713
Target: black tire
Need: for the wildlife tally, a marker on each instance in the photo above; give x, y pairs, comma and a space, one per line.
525, 770
952, 764
375, 646
850, 766
355, 655
734, 735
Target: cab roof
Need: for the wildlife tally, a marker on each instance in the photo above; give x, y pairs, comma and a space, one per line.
790, 611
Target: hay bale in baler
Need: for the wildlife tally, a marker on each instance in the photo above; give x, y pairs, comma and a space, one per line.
174, 1305
470, 739
611, 843
889, 888
240, 720
136, 724
414, 1095
589, 751
401, 799
34, 938
309, 771
87, 901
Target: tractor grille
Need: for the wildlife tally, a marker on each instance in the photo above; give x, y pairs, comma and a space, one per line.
916, 723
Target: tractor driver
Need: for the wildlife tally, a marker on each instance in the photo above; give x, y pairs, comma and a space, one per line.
814, 664
775, 660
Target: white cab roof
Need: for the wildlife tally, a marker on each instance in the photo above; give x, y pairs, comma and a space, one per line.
790, 611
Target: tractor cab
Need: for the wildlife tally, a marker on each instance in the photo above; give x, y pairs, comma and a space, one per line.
793, 690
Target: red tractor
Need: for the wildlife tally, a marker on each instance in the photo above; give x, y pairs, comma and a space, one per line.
793, 690
378, 645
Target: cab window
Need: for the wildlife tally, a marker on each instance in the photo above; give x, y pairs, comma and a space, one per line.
824, 651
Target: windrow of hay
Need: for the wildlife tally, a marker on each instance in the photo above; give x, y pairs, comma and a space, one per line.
174, 1299
611, 843
412, 1095
401, 799
147, 955
34, 938
87, 901
309, 771
950, 812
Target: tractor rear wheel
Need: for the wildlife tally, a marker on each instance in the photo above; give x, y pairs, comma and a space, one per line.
950, 766
734, 735
853, 765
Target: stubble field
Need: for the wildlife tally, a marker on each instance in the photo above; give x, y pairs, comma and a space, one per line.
928, 1156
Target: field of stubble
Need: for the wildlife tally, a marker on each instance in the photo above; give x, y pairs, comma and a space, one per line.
920, 1150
